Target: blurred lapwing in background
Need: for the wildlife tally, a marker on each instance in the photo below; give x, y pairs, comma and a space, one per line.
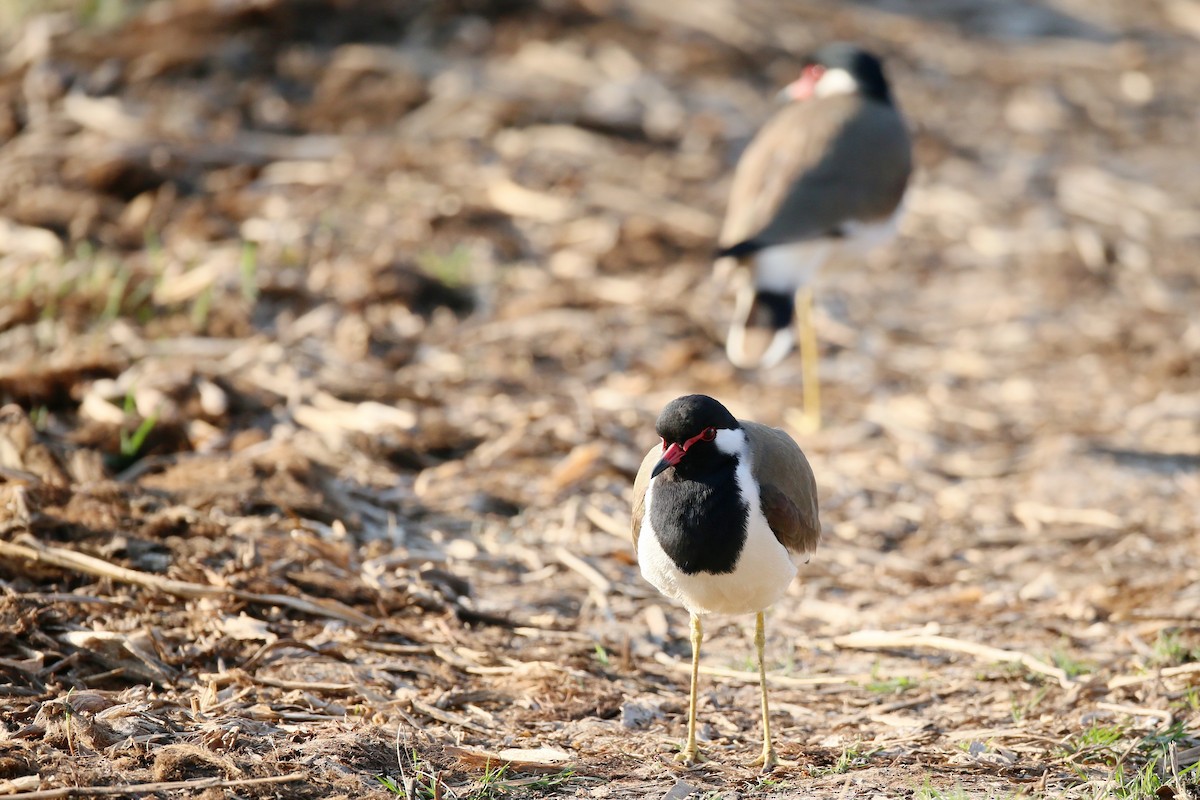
828, 171
724, 510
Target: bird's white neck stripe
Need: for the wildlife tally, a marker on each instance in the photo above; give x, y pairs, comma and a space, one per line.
735, 443
732, 442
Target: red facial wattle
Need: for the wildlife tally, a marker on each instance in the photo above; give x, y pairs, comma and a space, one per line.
805, 86
673, 453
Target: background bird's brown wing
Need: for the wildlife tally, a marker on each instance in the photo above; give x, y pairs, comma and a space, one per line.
816, 165
788, 145
640, 484
787, 488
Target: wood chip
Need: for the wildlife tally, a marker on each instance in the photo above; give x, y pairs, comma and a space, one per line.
577, 465
541, 759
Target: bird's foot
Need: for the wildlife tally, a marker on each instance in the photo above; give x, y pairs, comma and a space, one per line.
804, 421
769, 761
690, 756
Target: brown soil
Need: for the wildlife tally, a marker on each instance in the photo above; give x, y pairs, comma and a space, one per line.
331, 333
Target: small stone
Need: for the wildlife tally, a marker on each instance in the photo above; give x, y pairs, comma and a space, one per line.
1043, 587
680, 790
635, 716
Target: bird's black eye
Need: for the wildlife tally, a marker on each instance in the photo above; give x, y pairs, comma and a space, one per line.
709, 434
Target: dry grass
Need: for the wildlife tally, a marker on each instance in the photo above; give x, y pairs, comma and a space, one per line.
328, 361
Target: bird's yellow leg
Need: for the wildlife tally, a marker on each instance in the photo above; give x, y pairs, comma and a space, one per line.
691, 754
809, 420
768, 760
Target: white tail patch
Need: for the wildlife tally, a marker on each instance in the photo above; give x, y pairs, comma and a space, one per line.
735, 344
781, 344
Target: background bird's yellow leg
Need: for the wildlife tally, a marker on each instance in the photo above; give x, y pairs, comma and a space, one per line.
809, 421
691, 754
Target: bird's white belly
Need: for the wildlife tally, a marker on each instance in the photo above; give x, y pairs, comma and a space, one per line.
787, 267
760, 579
862, 237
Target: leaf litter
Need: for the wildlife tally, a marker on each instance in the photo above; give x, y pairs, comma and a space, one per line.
332, 336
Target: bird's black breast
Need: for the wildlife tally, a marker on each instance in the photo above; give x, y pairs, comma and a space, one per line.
700, 521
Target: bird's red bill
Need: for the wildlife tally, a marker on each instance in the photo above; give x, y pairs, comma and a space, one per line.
670, 458
675, 452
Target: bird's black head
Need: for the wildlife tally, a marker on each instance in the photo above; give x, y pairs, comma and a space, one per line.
862, 66
688, 427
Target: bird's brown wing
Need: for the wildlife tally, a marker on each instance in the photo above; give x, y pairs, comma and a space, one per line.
815, 166
640, 484
787, 488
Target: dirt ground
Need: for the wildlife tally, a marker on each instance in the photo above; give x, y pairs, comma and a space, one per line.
332, 331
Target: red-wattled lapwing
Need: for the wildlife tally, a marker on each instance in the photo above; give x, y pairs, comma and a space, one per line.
723, 512
827, 170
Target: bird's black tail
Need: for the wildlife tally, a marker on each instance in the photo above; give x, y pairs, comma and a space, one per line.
747, 247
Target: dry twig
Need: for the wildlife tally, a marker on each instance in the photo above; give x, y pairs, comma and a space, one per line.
606, 522
448, 717
69, 559
875, 640
752, 677
151, 788
1138, 711
589, 573
1166, 672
